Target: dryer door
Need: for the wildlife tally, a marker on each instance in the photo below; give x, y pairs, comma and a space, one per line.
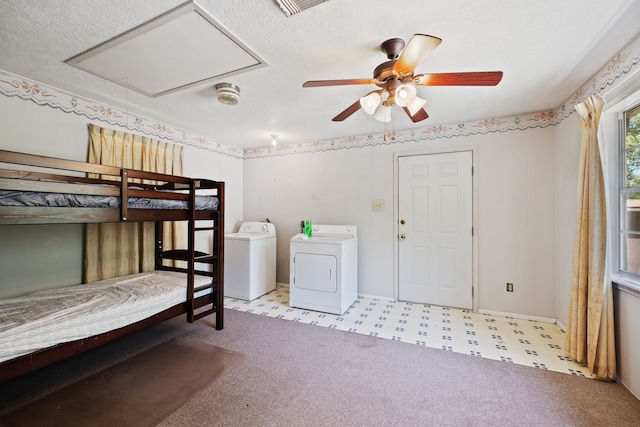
315, 272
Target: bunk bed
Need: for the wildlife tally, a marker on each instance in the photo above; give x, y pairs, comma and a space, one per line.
47, 326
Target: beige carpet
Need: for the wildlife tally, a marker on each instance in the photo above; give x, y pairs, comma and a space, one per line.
295, 374
140, 391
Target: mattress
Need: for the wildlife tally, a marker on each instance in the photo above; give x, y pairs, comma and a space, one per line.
42, 319
32, 198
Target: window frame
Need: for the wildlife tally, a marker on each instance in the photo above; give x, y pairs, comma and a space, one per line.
622, 225
618, 100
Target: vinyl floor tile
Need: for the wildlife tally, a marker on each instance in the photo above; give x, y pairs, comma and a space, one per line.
525, 342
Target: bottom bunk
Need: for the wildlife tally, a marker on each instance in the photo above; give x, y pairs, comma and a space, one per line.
46, 326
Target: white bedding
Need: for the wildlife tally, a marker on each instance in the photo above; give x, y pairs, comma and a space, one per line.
46, 318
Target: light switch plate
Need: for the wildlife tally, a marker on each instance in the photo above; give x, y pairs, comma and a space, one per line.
377, 205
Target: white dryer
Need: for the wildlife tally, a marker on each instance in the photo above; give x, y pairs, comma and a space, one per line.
250, 261
324, 269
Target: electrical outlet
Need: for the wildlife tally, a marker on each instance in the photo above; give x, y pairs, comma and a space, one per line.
509, 287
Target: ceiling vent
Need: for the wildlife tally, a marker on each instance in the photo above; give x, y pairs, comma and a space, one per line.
291, 7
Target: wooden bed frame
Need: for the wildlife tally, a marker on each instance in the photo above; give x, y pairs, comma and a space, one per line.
53, 175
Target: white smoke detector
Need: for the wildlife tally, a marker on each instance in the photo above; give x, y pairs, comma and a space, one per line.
228, 93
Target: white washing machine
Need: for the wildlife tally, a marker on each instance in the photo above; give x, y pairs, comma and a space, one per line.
250, 261
324, 269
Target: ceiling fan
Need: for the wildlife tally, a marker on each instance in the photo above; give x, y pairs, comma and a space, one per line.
397, 82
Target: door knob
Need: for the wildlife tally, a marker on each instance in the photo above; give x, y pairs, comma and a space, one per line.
402, 221
403, 236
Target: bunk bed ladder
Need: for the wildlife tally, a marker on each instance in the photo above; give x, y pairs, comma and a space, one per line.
211, 287
214, 302
204, 299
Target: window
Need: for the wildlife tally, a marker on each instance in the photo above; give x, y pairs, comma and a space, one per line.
629, 193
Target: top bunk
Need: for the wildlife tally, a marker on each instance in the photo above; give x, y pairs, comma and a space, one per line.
38, 189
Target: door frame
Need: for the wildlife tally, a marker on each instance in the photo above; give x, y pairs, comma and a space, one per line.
474, 203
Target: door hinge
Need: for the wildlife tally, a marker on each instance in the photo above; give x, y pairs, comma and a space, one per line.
473, 231
471, 170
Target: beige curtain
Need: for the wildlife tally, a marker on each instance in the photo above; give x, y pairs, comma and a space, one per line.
590, 330
117, 249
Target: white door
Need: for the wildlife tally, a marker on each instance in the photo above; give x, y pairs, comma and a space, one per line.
435, 248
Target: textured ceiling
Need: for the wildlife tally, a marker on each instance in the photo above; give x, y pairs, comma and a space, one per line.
546, 49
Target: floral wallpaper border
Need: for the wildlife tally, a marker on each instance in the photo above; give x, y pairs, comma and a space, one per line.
41, 94
624, 63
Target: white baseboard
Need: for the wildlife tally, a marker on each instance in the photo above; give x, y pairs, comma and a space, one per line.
519, 316
376, 297
496, 313
561, 326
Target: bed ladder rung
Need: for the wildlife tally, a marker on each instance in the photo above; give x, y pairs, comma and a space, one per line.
205, 258
203, 287
202, 314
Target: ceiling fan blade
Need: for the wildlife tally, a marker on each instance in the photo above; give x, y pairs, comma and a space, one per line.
418, 48
417, 117
346, 113
480, 78
319, 83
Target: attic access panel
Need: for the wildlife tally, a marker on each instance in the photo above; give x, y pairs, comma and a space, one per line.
177, 50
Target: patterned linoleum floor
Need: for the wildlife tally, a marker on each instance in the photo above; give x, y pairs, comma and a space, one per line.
524, 342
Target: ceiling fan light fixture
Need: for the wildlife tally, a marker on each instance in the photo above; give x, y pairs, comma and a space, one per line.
383, 113
227, 93
416, 105
405, 95
370, 102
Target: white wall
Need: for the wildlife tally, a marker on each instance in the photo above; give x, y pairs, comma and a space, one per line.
627, 317
46, 256
38, 256
204, 164
515, 219
328, 188
567, 155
